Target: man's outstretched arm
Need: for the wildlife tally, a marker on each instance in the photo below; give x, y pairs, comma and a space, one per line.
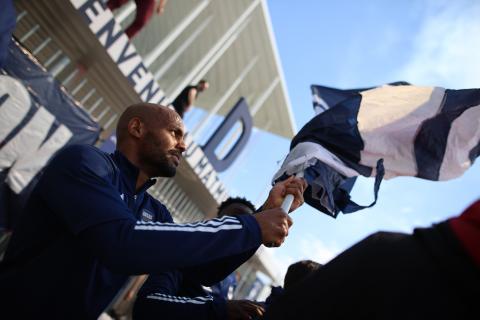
77, 187
217, 270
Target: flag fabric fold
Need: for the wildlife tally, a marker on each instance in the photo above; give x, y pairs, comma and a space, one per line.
393, 130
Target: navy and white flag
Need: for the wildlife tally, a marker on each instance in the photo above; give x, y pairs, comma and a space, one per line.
37, 118
389, 131
325, 97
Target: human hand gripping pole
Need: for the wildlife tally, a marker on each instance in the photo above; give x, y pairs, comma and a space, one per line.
287, 194
274, 221
288, 201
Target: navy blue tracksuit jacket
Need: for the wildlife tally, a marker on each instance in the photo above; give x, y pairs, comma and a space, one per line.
82, 235
177, 296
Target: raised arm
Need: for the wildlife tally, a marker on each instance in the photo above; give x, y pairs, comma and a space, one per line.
78, 188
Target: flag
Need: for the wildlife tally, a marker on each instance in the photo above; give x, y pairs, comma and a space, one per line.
37, 118
382, 132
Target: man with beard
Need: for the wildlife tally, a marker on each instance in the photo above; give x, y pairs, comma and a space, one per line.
83, 231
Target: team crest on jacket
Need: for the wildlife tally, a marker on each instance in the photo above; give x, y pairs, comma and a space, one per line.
147, 215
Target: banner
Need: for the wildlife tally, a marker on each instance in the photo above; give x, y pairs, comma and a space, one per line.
37, 118
109, 33
388, 131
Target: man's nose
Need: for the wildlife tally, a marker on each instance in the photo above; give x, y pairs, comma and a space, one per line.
181, 146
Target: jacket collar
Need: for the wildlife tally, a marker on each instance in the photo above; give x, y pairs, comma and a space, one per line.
130, 173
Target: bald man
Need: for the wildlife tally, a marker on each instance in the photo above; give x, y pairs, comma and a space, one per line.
90, 223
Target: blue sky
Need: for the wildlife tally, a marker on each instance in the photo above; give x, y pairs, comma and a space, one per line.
348, 44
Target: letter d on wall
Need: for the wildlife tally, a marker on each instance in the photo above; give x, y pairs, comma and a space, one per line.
240, 113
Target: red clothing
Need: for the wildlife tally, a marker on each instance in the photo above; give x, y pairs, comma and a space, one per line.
467, 229
145, 10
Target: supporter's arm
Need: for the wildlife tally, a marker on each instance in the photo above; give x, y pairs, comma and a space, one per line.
192, 94
217, 270
162, 297
158, 300
78, 189
163, 306
133, 247
166, 307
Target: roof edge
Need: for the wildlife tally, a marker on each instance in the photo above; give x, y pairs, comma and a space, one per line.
271, 35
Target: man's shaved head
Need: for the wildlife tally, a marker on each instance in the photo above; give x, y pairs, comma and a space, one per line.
152, 115
151, 137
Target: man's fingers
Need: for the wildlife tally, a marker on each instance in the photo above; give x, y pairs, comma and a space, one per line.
297, 183
287, 224
289, 221
282, 230
296, 187
296, 192
274, 224
298, 199
254, 308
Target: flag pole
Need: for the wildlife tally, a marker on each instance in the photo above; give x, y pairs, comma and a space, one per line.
287, 202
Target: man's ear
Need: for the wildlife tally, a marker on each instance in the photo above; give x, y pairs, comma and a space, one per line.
136, 128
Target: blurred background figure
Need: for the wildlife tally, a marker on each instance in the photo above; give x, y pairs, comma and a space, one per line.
145, 9
296, 273
185, 100
231, 207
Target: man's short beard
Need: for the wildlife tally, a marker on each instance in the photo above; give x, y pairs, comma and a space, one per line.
158, 165
162, 168
166, 171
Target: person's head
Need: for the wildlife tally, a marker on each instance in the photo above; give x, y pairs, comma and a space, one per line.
202, 85
297, 271
151, 137
235, 206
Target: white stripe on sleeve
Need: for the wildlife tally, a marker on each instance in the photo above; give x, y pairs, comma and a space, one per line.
214, 225
175, 299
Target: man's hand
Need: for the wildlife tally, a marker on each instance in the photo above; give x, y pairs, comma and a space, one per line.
292, 185
274, 224
243, 309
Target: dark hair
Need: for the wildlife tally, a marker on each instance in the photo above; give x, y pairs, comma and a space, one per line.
298, 271
237, 200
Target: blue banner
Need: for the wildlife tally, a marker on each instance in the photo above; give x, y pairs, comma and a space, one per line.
37, 118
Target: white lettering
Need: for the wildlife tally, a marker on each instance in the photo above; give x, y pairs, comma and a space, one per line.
194, 153
15, 107
98, 16
78, 3
116, 49
157, 98
141, 78
116, 29
131, 63
27, 167
24, 154
29, 138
